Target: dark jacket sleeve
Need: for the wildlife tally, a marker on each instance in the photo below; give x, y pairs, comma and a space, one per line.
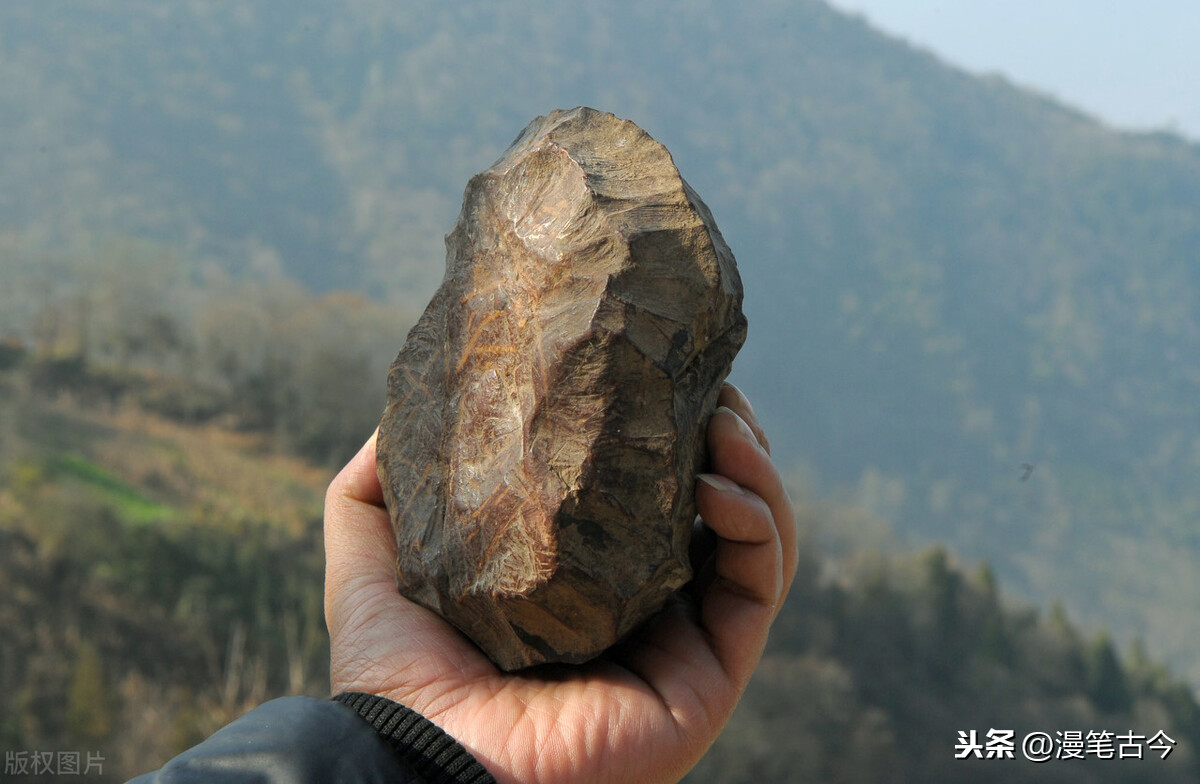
303, 740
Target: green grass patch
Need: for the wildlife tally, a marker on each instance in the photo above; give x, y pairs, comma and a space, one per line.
129, 504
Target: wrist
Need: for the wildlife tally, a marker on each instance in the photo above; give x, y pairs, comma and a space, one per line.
432, 753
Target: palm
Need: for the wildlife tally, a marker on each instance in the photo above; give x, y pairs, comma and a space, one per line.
540, 726
644, 712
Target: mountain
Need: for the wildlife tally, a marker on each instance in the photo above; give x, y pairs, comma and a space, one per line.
948, 277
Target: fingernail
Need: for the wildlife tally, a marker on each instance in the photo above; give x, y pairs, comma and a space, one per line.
720, 483
745, 403
742, 427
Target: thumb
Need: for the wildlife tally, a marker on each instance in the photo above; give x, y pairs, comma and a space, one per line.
360, 549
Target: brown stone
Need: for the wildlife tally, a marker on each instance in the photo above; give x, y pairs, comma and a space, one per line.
545, 418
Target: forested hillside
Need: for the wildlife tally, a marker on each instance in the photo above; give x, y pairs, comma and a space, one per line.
160, 572
947, 277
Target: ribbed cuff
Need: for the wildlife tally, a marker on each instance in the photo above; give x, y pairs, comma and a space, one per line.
433, 755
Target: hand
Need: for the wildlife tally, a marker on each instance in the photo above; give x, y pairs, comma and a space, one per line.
644, 712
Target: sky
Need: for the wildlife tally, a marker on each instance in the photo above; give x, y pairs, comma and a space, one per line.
1134, 64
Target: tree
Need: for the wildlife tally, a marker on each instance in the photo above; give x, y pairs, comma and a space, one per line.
89, 701
1106, 682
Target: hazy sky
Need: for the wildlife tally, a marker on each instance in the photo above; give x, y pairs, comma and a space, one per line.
1133, 63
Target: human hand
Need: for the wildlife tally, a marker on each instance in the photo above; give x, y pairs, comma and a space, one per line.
645, 711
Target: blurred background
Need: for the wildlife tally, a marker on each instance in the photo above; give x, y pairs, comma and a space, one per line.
970, 244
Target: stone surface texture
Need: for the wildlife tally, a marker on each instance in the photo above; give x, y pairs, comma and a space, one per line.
545, 418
